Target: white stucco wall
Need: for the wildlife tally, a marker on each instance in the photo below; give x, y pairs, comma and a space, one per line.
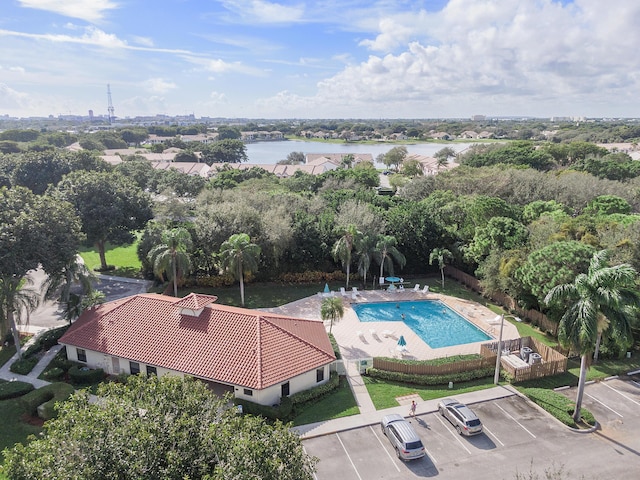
267, 396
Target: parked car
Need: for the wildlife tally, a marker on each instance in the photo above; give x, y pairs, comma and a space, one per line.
460, 416
402, 436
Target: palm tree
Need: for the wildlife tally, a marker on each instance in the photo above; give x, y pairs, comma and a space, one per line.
387, 253
603, 294
366, 249
331, 309
16, 300
171, 257
344, 246
441, 255
59, 286
237, 256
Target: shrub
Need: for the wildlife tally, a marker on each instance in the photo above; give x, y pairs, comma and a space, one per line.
61, 361
50, 338
14, 389
312, 277
24, 365
430, 379
81, 375
315, 393
45, 398
266, 411
53, 374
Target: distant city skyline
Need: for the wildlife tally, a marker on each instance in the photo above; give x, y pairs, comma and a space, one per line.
327, 59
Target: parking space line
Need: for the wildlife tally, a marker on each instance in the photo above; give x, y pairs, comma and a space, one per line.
511, 417
383, 447
619, 392
603, 404
349, 457
484, 427
455, 435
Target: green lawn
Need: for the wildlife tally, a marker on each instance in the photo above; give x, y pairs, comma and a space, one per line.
339, 403
124, 258
384, 393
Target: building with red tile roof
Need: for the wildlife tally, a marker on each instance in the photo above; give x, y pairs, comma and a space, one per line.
256, 355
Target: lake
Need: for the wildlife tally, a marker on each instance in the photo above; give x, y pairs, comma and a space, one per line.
273, 152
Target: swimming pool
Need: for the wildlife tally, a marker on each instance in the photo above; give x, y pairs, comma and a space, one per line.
433, 321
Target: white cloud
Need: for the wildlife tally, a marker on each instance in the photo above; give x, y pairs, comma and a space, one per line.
144, 41
89, 10
260, 11
158, 85
11, 99
217, 98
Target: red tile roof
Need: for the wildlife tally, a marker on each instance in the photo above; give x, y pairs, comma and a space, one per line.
226, 344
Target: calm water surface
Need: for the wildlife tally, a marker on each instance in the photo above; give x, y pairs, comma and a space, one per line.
273, 152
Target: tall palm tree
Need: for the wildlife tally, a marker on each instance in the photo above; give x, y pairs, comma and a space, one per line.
602, 294
237, 256
331, 309
441, 255
387, 253
343, 247
366, 249
15, 301
171, 257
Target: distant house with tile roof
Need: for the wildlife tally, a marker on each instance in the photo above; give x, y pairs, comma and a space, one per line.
255, 355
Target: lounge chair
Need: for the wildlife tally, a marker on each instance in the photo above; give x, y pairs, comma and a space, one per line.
388, 333
425, 289
360, 334
354, 296
416, 288
354, 291
343, 292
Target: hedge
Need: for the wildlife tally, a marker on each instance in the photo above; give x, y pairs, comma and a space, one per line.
53, 374
81, 375
46, 396
24, 365
430, 379
14, 389
289, 405
334, 345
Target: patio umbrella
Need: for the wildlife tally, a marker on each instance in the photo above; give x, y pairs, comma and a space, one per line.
402, 343
326, 288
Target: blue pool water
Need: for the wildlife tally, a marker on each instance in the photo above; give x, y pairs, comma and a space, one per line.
433, 321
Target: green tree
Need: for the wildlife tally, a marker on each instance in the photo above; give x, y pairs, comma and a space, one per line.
150, 427
331, 309
109, 205
343, 247
440, 255
443, 155
171, 257
395, 157
227, 132
34, 231
239, 256
412, 168
604, 299
386, 253
225, 151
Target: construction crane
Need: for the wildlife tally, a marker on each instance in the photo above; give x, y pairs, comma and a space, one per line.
110, 108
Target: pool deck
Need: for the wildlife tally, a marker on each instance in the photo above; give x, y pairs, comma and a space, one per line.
359, 340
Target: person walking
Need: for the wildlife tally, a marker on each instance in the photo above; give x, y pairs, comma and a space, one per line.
412, 409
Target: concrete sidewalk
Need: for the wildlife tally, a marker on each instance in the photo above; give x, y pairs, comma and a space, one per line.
32, 376
373, 417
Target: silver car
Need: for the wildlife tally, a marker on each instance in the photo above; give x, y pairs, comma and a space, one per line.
460, 416
402, 436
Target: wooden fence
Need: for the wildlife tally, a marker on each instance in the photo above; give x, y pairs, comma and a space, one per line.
553, 362
534, 316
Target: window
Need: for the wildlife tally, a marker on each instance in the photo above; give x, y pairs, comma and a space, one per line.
152, 370
284, 390
134, 368
319, 374
82, 355
248, 392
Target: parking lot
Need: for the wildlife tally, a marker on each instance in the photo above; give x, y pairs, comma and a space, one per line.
517, 437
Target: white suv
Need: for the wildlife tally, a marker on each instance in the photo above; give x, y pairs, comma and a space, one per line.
402, 436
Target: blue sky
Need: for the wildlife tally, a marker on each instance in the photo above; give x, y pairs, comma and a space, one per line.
321, 59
